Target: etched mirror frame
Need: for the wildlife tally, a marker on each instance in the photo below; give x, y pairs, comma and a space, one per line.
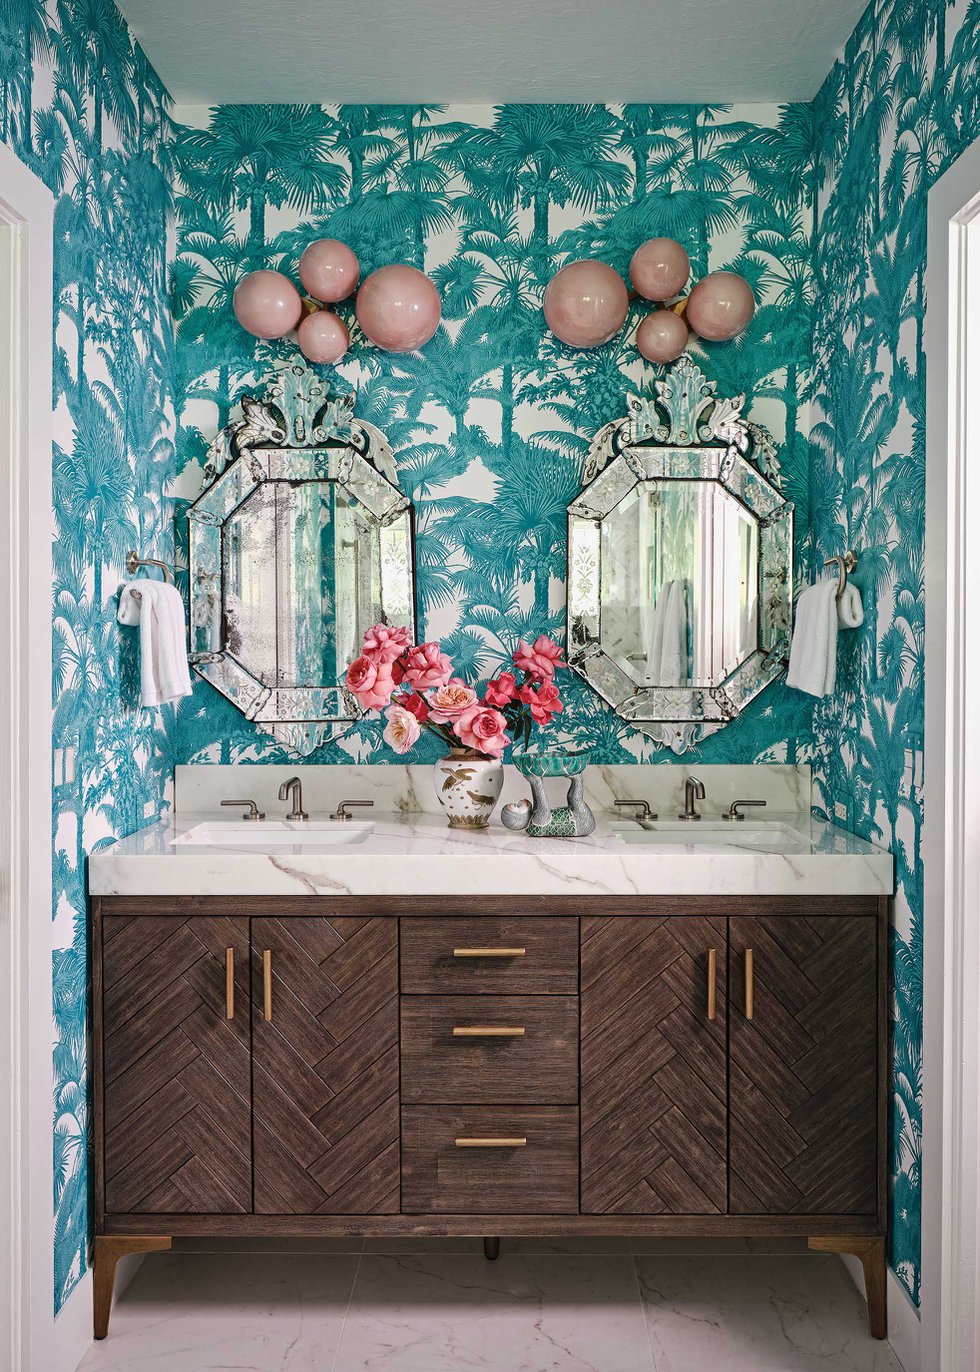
298, 432
683, 432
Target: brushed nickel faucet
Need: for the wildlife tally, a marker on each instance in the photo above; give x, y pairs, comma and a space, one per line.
693, 792
645, 811
293, 787
736, 807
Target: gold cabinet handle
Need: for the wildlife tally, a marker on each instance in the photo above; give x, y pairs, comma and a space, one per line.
491, 1143
488, 1031
267, 984
712, 976
229, 983
489, 952
749, 983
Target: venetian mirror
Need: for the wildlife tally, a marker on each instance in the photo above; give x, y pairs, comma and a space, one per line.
300, 542
680, 551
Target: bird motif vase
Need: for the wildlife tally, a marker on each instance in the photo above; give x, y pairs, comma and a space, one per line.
468, 786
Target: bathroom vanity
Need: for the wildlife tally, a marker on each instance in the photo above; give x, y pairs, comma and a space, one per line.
411, 1030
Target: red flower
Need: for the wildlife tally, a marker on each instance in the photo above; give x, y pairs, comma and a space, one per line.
539, 659
502, 690
543, 700
415, 705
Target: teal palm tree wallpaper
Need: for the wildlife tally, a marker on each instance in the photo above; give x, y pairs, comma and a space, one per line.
896, 110
80, 105
491, 420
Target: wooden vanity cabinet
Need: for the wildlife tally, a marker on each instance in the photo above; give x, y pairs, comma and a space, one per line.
652, 1065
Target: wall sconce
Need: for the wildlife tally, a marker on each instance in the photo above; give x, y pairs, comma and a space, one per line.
586, 303
398, 307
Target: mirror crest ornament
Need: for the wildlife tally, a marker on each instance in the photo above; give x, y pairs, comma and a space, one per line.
680, 556
300, 541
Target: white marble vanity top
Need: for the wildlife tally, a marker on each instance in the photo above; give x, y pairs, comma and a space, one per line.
417, 854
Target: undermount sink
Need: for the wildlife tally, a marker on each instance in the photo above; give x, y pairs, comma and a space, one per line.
274, 833
767, 835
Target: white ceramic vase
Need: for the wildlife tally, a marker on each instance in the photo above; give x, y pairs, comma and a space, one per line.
468, 786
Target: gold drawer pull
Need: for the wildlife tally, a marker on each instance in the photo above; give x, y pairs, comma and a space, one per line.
489, 952
749, 983
267, 984
712, 975
487, 1031
229, 983
491, 1143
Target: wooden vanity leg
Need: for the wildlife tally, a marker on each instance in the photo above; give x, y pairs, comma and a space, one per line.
491, 1249
109, 1248
872, 1255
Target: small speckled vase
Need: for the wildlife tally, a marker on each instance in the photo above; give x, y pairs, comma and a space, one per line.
468, 786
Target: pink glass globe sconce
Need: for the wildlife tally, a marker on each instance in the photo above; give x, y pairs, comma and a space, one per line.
720, 306
659, 269
662, 336
267, 304
323, 337
329, 270
586, 304
398, 308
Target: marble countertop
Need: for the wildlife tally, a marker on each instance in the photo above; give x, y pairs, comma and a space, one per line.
417, 854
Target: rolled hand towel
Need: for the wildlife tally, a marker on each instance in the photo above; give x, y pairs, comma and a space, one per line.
813, 655
850, 608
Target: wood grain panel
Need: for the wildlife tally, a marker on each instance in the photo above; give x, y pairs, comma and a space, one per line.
540, 1067
325, 1096
804, 1069
549, 965
653, 1067
438, 1177
177, 1133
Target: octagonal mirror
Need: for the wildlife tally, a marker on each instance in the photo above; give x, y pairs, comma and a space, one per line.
680, 562
299, 543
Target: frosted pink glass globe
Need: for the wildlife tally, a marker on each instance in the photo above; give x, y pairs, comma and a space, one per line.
398, 308
660, 268
267, 304
323, 337
720, 306
329, 270
662, 336
586, 303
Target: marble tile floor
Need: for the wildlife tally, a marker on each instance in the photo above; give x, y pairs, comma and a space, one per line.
435, 1305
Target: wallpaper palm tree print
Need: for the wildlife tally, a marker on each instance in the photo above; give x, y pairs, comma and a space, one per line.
80, 105
491, 420
897, 109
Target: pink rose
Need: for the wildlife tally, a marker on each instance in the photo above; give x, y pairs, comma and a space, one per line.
402, 729
539, 659
426, 666
384, 643
449, 701
371, 683
502, 690
543, 700
416, 705
482, 729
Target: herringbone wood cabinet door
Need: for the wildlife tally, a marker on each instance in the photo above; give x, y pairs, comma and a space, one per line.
325, 1066
177, 1115
653, 1067
803, 1095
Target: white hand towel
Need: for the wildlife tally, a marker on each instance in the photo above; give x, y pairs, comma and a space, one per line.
850, 609
813, 656
673, 659
159, 612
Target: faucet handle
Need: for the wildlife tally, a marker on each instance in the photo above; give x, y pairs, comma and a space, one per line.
347, 805
735, 809
253, 812
645, 811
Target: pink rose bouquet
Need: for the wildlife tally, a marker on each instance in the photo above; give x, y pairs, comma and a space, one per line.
431, 699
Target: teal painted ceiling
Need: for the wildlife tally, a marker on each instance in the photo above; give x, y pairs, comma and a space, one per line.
366, 51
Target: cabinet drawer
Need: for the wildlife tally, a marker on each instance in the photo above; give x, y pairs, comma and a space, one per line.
471, 1160
467, 955
466, 1050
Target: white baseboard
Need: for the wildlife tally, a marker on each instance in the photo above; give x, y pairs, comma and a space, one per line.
72, 1329
904, 1328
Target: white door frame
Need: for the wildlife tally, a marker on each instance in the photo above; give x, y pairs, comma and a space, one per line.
951, 833
26, 214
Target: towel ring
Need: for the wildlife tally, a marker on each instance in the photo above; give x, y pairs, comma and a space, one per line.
133, 564
844, 564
